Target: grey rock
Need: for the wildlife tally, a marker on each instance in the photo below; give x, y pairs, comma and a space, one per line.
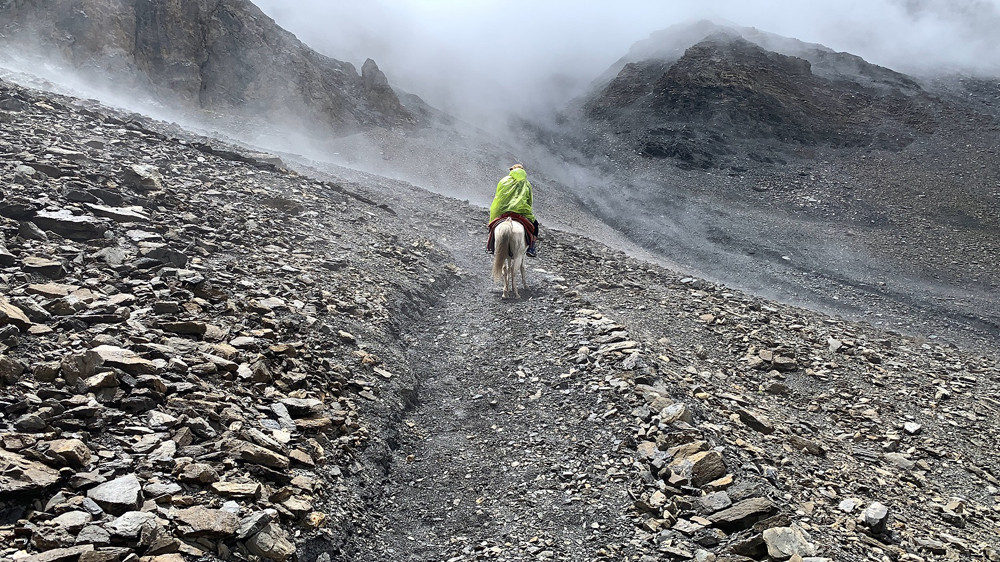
154, 490
166, 255
52, 269
900, 460
126, 360
876, 517
272, 543
198, 473
20, 208
303, 407
164, 453
10, 369
785, 542
119, 214
30, 423
204, 521
259, 455
100, 381
700, 468
676, 412
253, 523
31, 309
755, 420
711, 503
743, 514
73, 521
129, 525
68, 554
30, 231
806, 445
69, 452
142, 177
93, 535
119, 495
848, 505
7, 259
10, 314
68, 225
47, 537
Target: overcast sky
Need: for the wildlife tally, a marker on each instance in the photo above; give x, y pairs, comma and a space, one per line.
466, 56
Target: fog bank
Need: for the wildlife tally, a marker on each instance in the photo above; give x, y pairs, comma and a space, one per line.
487, 59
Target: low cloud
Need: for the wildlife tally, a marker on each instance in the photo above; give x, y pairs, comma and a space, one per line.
491, 58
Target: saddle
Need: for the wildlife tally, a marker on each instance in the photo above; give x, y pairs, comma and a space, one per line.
529, 229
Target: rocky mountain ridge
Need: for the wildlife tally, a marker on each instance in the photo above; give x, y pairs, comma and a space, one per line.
724, 89
221, 57
208, 355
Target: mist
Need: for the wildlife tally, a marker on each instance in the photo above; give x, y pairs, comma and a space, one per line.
488, 59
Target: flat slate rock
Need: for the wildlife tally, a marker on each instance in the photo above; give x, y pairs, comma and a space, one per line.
119, 495
24, 476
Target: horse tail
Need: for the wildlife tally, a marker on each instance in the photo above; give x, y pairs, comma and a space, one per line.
501, 247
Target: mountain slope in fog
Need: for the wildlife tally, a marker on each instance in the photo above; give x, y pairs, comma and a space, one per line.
223, 56
780, 166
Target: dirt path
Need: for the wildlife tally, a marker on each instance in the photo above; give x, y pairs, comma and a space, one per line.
506, 454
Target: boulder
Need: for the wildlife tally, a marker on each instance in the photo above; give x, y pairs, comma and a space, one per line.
119, 495
785, 542
71, 452
142, 177
204, 521
130, 524
271, 543
10, 314
64, 223
126, 360
23, 476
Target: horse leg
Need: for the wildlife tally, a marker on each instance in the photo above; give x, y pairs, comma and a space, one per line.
506, 267
504, 295
513, 277
516, 263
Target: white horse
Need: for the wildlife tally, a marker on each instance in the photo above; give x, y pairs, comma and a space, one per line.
508, 254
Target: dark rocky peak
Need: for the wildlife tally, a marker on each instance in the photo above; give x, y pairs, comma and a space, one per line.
377, 90
727, 60
372, 76
669, 45
726, 89
216, 55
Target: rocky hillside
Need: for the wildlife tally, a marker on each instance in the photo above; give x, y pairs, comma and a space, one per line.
793, 170
218, 56
206, 355
179, 319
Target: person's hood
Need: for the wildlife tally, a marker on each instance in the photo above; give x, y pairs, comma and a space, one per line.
519, 174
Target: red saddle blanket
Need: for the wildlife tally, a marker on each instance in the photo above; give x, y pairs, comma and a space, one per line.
529, 229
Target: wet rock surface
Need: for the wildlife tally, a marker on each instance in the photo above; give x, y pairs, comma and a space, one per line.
251, 362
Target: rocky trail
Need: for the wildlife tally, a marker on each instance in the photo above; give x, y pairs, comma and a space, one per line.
499, 454
206, 355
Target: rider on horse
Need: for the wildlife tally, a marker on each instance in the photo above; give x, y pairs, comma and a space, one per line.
513, 197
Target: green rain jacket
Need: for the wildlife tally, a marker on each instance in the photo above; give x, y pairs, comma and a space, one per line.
513, 196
